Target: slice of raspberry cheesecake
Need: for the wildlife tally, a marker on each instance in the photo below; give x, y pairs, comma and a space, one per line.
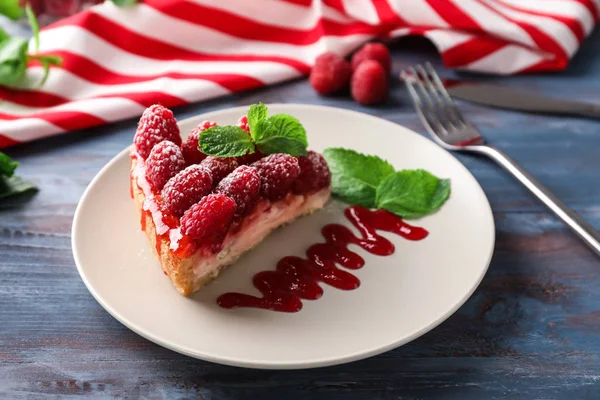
201, 212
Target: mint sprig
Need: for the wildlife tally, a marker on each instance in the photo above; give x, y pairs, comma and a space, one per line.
372, 182
11, 185
279, 133
14, 54
355, 176
11, 9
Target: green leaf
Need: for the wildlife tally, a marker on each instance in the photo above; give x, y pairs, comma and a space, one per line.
256, 113
125, 3
13, 186
35, 28
3, 35
7, 165
412, 193
225, 141
355, 176
13, 61
282, 133
11, 9
46, 61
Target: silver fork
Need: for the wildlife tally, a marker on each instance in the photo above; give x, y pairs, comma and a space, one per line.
448, 127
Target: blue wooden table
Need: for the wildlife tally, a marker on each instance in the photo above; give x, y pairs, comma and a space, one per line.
531, 330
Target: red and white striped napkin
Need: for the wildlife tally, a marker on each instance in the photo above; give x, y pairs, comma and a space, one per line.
118, 61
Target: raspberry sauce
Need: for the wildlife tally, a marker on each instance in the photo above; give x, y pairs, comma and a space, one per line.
297, 278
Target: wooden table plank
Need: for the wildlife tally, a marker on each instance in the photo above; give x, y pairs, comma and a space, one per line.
531, 330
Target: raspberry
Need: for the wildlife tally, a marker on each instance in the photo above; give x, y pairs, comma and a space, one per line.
186, 188
277, 173
243, 186
219, 168
369, 83
330, 73
164, 162
243, 123
373, 51
249, 158
208, 220
190, 148
314, 174
156, 124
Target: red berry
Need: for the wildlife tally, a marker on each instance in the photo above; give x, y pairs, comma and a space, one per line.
163, 163
61, 8
243, 123
373, 51
314, 174
243, 186
156, 124
277, 174
219, 168
369, 83
249, 158
187, 188
190, 148
208, 220
330, 73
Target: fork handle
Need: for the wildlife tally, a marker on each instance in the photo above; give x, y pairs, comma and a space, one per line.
584, 230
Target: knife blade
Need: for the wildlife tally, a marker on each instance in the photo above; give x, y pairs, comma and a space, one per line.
515, 99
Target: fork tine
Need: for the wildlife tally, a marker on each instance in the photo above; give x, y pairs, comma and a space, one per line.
429, 105
451, 106
425, 111
439, 104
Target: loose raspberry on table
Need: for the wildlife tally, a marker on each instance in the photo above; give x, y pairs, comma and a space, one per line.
190, 148
243, 186
376, 52
187, 188
243, 123
314, 173
156, 124
219, 168
369, 83
277, 174
163, 163
330, 73
208, 220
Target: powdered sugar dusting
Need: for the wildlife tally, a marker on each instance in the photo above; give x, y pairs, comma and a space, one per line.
186, 188
165, 160
156, 124
277, 173
243, 186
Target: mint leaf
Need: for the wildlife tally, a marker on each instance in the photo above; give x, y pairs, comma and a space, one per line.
125, 3
35, 28
7, 165
13, 61
13, 186
11, 9
225, 141
355, 176
412, 193
256, 114
282, 133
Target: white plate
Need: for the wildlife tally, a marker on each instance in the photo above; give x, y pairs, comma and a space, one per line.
401, 296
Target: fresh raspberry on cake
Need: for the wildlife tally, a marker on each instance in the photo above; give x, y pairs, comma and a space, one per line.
156, 124
373, 51
191, 153
243, 186
165, 160
219, 168
207, 221
187, 188
277, 173
314, 173
330, 73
